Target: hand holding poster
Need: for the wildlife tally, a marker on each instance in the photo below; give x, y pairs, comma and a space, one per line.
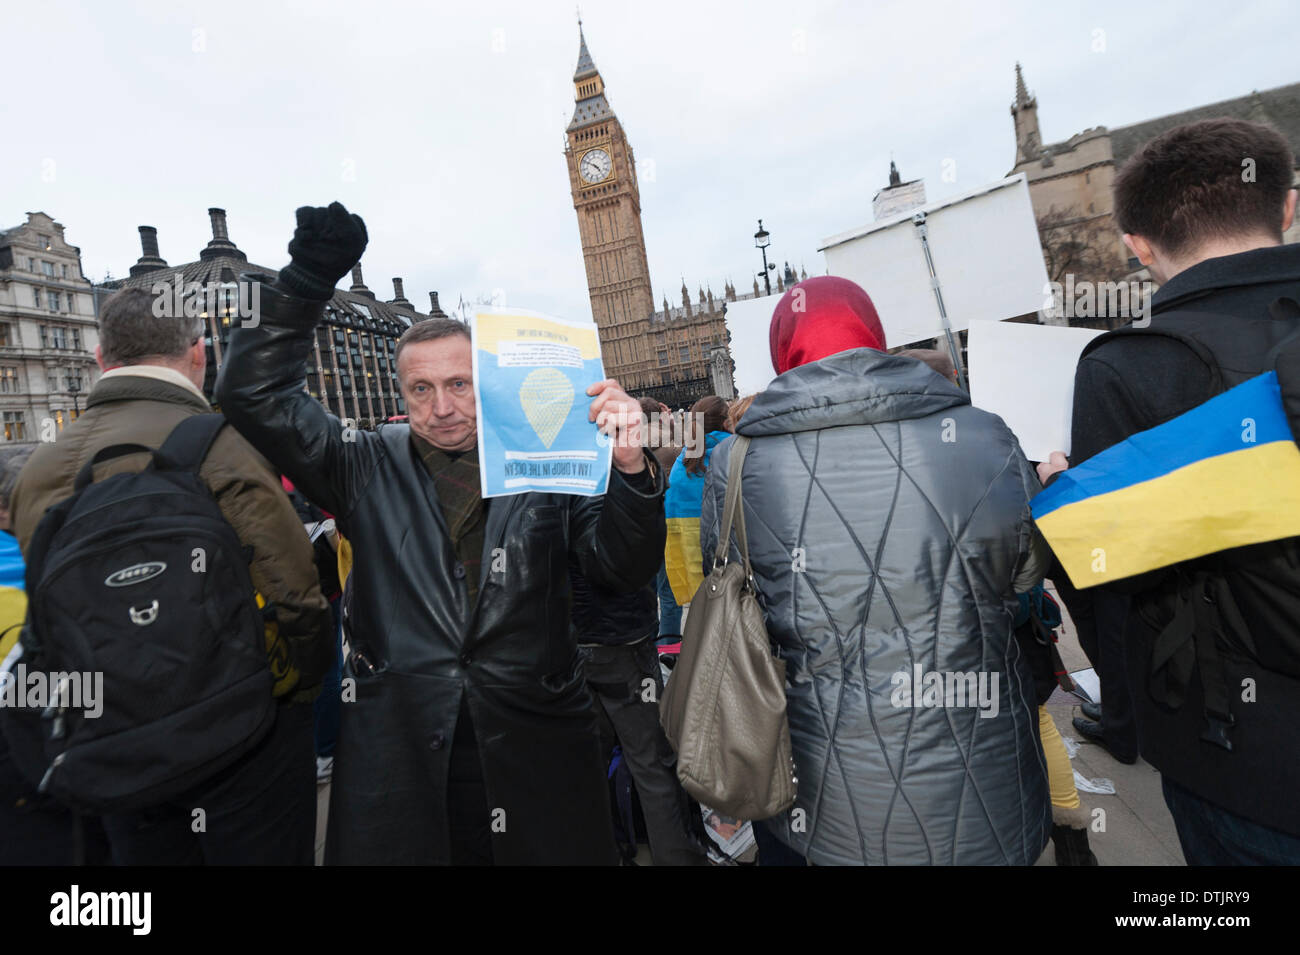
531, 375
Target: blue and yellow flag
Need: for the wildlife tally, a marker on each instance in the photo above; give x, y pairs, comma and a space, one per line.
1225, 474
683, 502
13, 597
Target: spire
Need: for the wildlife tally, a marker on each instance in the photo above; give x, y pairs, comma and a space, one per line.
1023, 98
590, 105
894, 177
586, 66
1024, 114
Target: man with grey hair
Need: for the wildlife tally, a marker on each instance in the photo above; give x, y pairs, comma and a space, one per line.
260, 809
471, 738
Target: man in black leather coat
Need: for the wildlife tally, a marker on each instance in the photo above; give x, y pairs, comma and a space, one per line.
472, 738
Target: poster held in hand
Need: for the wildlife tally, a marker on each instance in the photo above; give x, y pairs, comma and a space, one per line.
531, 375
1025, 374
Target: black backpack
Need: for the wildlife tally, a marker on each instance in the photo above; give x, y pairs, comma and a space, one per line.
138, 577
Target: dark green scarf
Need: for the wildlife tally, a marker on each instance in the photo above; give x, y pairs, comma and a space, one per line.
456, 481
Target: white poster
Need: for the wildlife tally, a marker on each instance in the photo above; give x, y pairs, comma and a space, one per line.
986, 254
748, 321
1025, 375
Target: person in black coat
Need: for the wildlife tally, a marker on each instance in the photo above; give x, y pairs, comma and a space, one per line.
470, 736
1204, 206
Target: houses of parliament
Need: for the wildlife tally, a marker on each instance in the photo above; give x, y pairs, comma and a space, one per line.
676, 354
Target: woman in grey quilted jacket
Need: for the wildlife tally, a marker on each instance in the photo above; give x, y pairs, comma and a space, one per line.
889, 532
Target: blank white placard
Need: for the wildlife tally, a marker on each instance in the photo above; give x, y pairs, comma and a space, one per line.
986, 256
1025, 375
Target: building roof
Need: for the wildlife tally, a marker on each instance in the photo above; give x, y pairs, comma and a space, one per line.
221, 261
348, 308
586, 66
590, 110
1279, 107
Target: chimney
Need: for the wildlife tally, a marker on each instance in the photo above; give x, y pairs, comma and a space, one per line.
220, 246
149, 241
359, 284
150, 260
399, 298
436, 311
218, 217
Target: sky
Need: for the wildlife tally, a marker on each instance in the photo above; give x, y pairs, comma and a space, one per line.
442, 124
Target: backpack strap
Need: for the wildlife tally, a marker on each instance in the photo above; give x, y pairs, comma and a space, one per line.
86, 473
188, 444
1198, 347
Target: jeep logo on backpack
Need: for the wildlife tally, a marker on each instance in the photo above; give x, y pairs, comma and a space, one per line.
135, 574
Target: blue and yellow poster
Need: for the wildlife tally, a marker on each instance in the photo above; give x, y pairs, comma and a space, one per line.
531, 375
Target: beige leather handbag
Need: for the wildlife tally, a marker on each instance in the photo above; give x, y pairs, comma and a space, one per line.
724, 706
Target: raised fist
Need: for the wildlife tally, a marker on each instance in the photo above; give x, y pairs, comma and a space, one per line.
325, 246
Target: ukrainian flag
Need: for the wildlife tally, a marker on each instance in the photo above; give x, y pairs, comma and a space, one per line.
1225, 474
683, 562
13, 596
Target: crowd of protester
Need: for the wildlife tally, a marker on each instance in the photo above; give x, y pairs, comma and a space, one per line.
499, 650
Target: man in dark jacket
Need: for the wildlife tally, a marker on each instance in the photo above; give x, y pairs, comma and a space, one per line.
1204, 206
472, 738
261, 809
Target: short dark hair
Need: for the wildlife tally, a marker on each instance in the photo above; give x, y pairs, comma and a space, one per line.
1189, 184
429, 330
131, 331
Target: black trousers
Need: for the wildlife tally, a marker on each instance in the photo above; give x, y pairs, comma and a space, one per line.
468, 815
260, 811
1101, 619
627, 684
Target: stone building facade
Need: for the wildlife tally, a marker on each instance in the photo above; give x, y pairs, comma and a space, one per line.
48, 331
1072, 179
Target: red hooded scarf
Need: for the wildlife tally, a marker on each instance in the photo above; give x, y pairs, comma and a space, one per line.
819, 317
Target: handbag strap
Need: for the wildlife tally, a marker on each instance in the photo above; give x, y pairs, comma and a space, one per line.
734, 510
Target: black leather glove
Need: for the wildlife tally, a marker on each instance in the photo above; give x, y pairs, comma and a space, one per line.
325, 246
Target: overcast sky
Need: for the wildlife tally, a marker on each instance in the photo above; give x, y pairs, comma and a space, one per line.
442, 124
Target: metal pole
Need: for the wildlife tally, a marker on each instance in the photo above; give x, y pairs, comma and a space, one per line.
918, 220
766, 280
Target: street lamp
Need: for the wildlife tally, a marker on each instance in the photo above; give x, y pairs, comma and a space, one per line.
762, 239
74, 389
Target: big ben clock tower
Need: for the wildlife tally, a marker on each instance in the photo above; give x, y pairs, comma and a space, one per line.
602, 179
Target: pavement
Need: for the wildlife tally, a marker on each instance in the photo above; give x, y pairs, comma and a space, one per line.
1138, 829
1135, 828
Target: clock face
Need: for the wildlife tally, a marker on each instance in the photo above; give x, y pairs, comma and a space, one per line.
595, 165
